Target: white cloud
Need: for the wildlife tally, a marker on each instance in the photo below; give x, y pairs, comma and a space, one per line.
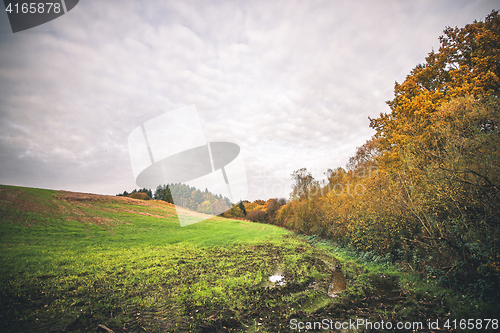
292, 82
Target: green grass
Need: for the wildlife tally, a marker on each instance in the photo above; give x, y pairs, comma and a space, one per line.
70, 262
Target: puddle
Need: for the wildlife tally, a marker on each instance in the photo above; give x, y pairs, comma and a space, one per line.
277, 279
338, 284
338, 281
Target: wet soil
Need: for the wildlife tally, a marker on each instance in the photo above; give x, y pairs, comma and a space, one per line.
338, 283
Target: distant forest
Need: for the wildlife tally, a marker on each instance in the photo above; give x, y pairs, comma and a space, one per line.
185, 196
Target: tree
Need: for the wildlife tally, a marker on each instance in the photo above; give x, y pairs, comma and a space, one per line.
256, 216
162, 192
282, 201
272, 207
456, 197
467, 63
242, 207
439, 149
303, 183
139, 195
167, 195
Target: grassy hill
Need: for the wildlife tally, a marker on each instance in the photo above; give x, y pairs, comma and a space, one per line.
82, 262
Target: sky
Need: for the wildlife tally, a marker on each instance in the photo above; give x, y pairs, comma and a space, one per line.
292, 83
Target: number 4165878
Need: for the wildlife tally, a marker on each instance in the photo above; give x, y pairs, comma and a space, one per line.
33, 7
472, 324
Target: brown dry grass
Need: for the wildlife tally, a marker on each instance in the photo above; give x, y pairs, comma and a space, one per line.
76, 206
78, 200
23, 200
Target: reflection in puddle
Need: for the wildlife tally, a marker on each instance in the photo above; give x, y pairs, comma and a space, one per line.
278, 279
338, 284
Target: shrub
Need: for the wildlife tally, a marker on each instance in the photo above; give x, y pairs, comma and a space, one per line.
256, 216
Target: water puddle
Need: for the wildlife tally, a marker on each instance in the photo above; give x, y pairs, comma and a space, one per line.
333, 286
276, 279
338, 283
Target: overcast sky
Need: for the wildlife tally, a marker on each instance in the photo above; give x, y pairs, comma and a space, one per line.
291, 82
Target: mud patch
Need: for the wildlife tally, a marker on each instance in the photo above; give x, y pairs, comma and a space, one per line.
386, 291
338, 282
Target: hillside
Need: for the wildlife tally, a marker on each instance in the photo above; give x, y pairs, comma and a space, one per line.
75, 262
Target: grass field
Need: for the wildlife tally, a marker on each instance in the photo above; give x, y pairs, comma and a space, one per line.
74, 262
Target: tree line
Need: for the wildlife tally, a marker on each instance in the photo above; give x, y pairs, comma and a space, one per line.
185, 196
257, 211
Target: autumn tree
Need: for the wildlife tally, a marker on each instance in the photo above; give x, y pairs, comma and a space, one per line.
303, 183
439, 149
272, 207
467, 63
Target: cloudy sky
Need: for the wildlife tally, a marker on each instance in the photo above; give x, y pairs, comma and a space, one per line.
291, 82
